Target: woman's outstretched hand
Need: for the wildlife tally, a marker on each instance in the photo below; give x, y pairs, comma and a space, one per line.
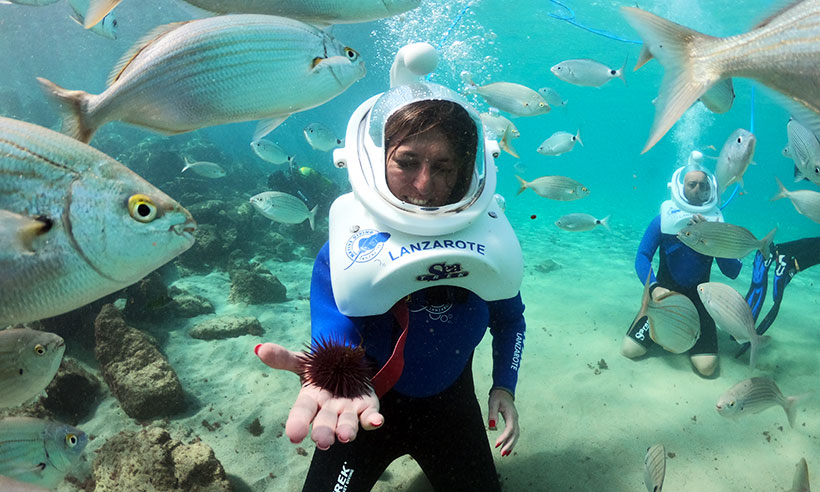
332, 418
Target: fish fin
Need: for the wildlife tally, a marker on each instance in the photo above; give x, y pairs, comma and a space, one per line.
134, 51
321, 63
766, 242
97, 9
578, 137
19, 231
782, 191
523, 185
798, 174
791, 405
312, 217
605, 222
187, 164
620, 72
786, 6
76, 19
680, 87
73, 104
506, 144
643, 58
268, 125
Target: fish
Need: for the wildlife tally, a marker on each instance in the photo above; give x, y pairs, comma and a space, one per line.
284, 208
37, 451
722, 240
800, 483
586, 72
654, 468
11, 485
104, 227
581, 222
674, 323
559, 188
97, 10
321, 138
513, 98
269, 151
316, 12
552, 97
188, 75
108, 27
735, 156
732, 314
804, 149
719, 98
29, 359
497, 125
806, 202
754, 395
559, 143
204, 168
780, 52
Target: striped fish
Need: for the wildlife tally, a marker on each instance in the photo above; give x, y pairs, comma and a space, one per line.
38, 451
673, 320
723, 240
806, 202
804, 149
654, 468
732, 314
559, 188
29, 359
284, 208
213, 71
754, 395
317, 12
801, 477
735, 157
513, 98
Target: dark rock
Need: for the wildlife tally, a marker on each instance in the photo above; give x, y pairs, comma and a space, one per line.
257, 286
137, 373
226, 327
72, 394
147, 299
152, 460
255, 428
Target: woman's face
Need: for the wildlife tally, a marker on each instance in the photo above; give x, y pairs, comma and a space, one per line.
696, 187
423, 169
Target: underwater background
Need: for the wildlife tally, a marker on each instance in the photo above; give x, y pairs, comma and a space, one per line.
585, 426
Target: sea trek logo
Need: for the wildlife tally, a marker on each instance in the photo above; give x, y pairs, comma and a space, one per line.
365, 245
441, 271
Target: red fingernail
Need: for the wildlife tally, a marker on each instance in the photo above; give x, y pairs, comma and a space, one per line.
256, 349
492, 424
379, 424
498, 444
505, 453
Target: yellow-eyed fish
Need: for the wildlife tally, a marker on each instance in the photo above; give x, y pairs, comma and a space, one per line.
559, 188
754, 395
804, 150
559, 143
29, 359
284, 208
513, 98
723, 240
586, 72
735, 157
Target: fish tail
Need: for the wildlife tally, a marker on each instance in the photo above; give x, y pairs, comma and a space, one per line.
754, 345
523, 185
620, 71
312, 217
782, 191
72, 106
766, 242
578, 137
605, 222
680, 87
97, 10
791, 406
643, 57
506, 143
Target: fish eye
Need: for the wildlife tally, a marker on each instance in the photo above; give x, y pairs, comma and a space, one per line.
739, 139
612, 72
352, 54
39, 349
541, 104
732, 403
114, 23
142, 208
584, 188
71, 440
817, 170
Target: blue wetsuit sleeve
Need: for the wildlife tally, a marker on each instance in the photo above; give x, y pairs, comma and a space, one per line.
325, 319
507, 326
649, 245
729, 266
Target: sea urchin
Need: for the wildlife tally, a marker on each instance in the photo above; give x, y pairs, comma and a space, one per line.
336, 367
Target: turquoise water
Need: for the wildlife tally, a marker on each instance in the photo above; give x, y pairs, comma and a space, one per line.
495, 42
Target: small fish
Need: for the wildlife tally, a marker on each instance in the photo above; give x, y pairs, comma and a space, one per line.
107, 28
674, 323
779, 52
205, 169
97, 10
269, 151
284, 208
29, 359
510, 97
719, 98
368, 243
321, 137
654, 468
506, 142
723, 240
559, 143
559, 188
497, 125
804, 149
732, 314
586, 72
800, 483
552, 97
806, 202
754, 395
38, 451
735, 157
581, 222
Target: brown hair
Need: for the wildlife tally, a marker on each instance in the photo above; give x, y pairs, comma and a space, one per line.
451, 119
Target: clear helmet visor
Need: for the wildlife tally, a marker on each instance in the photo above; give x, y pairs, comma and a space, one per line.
694, 188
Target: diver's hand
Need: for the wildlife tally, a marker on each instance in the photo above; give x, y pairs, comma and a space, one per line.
502, 401
697, 218
331, 417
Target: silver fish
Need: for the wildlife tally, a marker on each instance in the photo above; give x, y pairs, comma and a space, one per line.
269, 151
108, 27
501, 129
581, 222
559, 143
284, 208
552, 97
735, 157
586, 72
781, 52
732, 314
317, 12
806, 202
674, 323
103, 227
321, 138
510, 97
205, 169
723, 240
804, 149
754, 395
38, 451
213, 71
559, 188
719, 98
29, 359
800, 483
654, 468
97, 10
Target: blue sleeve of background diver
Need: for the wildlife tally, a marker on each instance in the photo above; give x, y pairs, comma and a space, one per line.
729, 266
325, 319
649, 244
507, 327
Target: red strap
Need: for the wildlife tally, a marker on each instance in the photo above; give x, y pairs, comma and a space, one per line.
390, 373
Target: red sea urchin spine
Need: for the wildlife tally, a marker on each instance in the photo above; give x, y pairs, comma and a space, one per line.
337, 367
